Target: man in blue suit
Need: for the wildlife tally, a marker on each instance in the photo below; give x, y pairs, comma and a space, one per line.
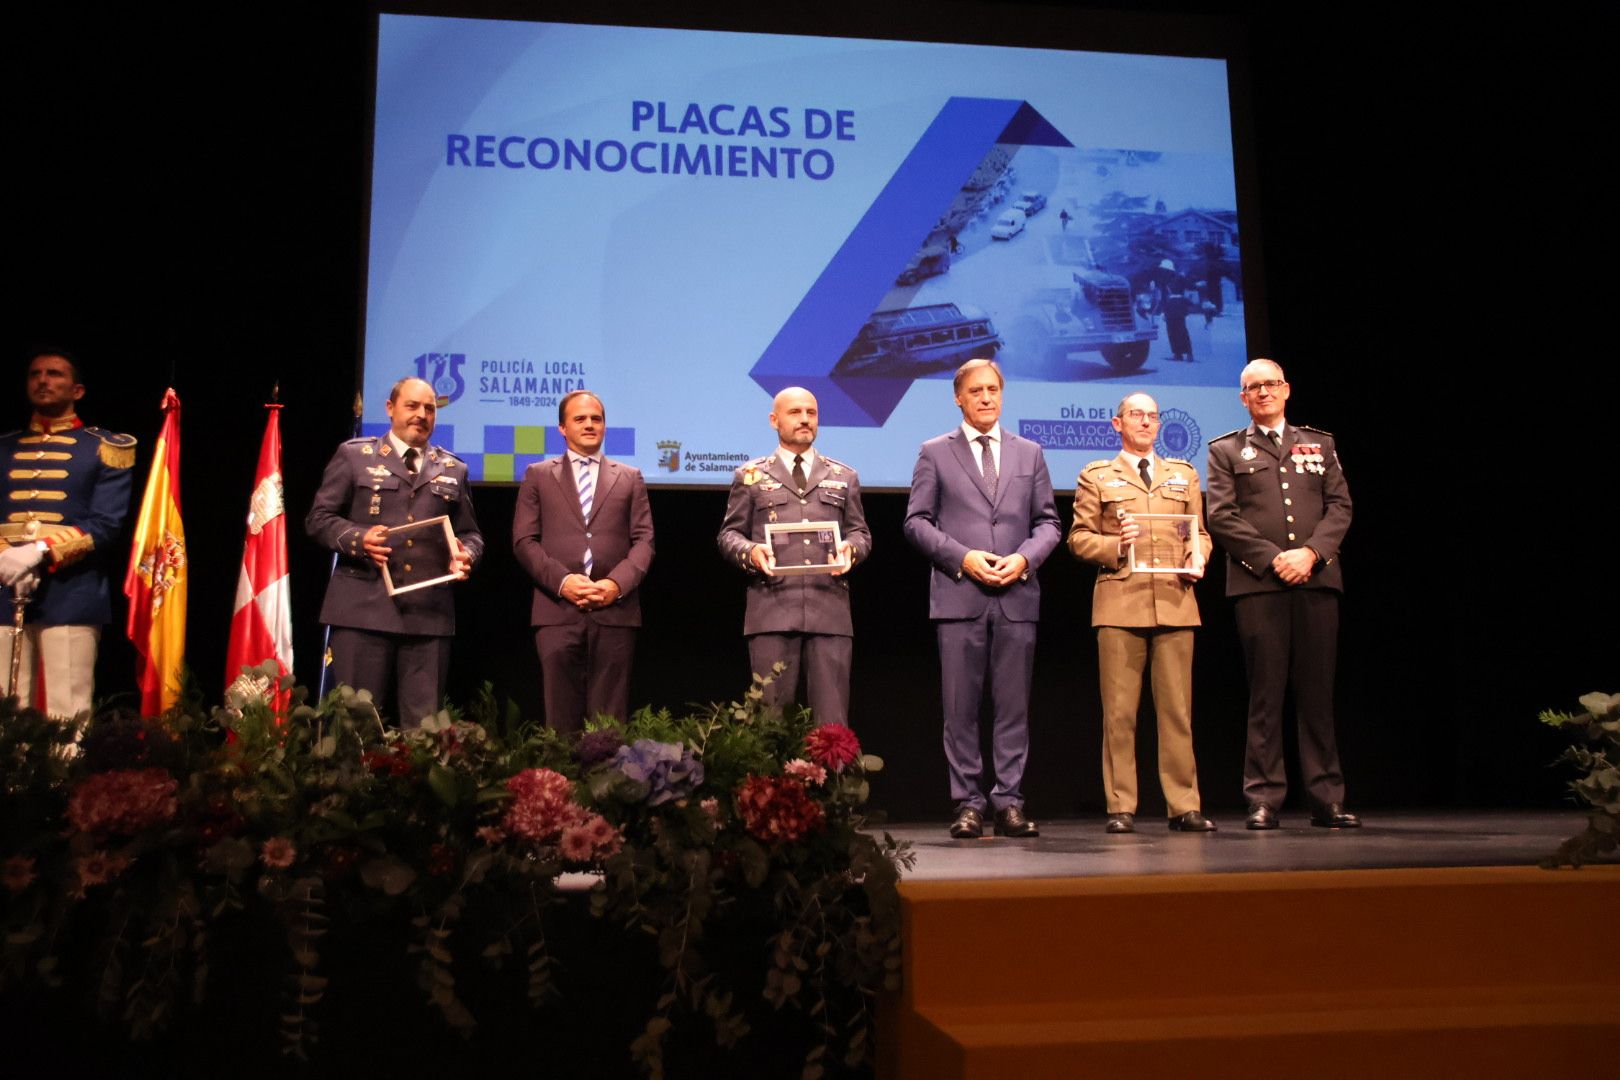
981, 509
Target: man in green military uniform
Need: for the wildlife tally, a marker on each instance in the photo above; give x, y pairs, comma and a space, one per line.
1143, 619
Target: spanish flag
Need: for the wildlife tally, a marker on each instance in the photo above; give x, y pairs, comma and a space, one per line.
158, 569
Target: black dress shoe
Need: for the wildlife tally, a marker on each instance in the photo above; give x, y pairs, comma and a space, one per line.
1121, 823
969, 824
1261, 816
1191, 821
1334, 816
1010, 821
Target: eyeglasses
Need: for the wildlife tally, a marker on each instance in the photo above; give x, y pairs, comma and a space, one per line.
1137, 416
1272, 385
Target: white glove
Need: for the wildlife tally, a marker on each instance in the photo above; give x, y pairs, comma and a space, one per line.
17, 561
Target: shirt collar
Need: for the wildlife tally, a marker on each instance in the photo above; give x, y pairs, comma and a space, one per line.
786, 457
1137, 459
594, 459
400, 446
973, 433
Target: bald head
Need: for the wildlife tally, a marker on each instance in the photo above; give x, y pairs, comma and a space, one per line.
795, 417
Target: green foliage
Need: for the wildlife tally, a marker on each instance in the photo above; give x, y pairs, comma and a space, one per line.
311, 820
1596, 754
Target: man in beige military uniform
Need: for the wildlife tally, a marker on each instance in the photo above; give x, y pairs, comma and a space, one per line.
1143, 619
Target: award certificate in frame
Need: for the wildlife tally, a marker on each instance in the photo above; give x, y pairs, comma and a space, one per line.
423, 555
805, 547
1191, 538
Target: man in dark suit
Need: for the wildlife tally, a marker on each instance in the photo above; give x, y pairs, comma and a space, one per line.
981, 509
397, 643
800, 621
1279, 506
583, 530
66, 489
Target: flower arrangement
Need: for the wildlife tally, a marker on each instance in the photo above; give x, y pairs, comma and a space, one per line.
1596, 753
310, 823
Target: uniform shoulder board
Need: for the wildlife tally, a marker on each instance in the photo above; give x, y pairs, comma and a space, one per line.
447, 459
1317, 430
360, 441
1102, 463
1229, 434
1178, 461
835, 463
117, 451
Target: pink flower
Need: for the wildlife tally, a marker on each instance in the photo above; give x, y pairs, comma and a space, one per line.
123, 801
542, 807
17, 872
605, 839
490, 834
98, 868
832, 745
278, 853
711, 806
778, 809
575, 844
808, 771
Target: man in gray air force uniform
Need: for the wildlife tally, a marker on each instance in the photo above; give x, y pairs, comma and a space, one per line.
394, 646
800, 621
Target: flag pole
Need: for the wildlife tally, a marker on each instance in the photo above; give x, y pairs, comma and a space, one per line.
326, 631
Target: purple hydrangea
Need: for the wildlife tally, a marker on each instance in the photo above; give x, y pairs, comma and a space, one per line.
669, 770
596, 747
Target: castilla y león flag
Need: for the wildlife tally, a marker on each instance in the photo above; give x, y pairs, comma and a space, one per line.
156, 581
261, 628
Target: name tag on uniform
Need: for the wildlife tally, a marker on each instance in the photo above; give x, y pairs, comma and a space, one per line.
1118, 483
1176, 480
840, 484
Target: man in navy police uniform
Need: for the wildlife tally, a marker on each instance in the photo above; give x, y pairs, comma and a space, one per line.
66, 494
400, 643
1279, 506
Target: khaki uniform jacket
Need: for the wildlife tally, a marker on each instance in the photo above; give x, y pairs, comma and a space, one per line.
1123, 598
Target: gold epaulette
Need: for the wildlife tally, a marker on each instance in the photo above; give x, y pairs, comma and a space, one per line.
116, 451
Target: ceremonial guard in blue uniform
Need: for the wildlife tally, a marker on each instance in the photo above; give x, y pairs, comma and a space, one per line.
395, 646
66, 494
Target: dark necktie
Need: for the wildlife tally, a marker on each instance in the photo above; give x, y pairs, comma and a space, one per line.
1276, 438
410, 460
1146, 471
800, 481
987, 462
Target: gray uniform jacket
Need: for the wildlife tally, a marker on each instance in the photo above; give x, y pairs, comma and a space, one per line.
367, 484
762, 491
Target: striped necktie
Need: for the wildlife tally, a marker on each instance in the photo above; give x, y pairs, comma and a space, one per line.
586, 490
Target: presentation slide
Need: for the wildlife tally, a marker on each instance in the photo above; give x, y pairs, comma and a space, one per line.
686, 222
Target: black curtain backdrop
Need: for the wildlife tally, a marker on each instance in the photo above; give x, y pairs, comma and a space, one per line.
188, 208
